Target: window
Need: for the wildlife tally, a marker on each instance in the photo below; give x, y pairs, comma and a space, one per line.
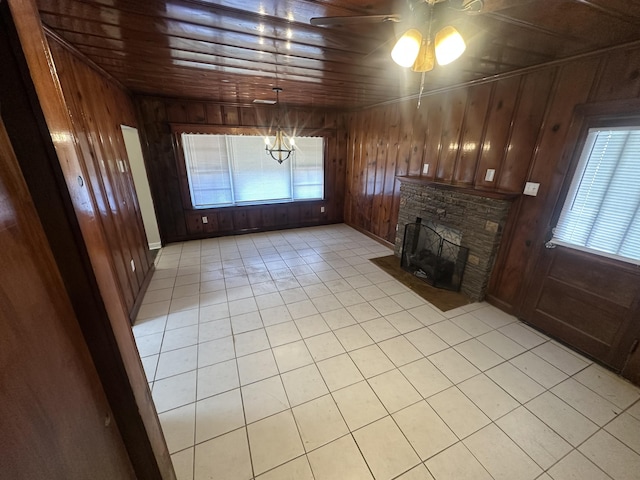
226, 170
601, 212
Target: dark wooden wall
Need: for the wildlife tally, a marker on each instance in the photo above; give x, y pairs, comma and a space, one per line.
518, 126
71, 150
98, 107
53, 406
178, 221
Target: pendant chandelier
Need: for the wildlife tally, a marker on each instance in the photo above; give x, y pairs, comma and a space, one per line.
283, 146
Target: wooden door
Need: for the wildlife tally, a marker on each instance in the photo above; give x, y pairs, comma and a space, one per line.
587, 301
56, 422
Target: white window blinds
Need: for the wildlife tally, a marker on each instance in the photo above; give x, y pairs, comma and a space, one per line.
225, 170
308, 175
601, 211
208, 172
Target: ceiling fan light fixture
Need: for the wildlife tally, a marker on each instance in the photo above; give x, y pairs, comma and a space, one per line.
426, 57
449, 45
407, 47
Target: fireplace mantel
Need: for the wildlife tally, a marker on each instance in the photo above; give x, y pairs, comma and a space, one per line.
416, 179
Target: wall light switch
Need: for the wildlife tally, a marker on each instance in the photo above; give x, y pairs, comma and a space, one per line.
489, 176
531, 189
205, 220
321, 209
425, 169
133, 265
121, 166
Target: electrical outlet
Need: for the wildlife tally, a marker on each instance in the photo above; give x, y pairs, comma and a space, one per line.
490, 175
531, 189
425, 169
133, 265
205, 220
321, 209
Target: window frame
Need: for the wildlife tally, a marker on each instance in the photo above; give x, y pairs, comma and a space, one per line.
177, 129
608, 115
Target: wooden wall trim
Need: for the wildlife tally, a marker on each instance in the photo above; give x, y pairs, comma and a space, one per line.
51, 34
171, 99
151, 460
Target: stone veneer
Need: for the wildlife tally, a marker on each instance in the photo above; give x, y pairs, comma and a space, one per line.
479, 218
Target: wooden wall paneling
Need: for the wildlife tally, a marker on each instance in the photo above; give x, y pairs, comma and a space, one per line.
351, 155
194, 223
91, 118
177, 112
386, 156
361, 171
281, 215
158, 144
418, 130
498, 128
108, 331
353, 172
54, 407
372, 146
471, 139
331, 172
104, 120
620, 77
214, 114
453, 118
95, 178
294, 213
336, 208
548, 167
225, 220
230, 115
248, 116
433, 143
268, 216
400, 153
526, 126
409, 158
196, 112
254, 218
240, 220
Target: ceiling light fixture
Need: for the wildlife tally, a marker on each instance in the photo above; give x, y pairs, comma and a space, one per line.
283, 146
415, 50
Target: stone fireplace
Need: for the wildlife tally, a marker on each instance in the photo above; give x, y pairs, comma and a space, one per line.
478, 216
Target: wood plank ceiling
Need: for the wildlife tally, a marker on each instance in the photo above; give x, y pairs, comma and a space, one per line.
235, 51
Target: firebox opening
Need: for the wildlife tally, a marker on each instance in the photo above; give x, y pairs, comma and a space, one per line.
433, 253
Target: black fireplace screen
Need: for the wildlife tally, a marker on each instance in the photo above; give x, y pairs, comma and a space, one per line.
429, 256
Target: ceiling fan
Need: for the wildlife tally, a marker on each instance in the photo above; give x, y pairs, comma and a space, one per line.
429, 38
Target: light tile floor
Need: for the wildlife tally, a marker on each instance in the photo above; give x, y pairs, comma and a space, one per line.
289, 355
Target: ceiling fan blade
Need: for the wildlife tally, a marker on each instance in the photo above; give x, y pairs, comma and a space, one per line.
488, 6
354, 19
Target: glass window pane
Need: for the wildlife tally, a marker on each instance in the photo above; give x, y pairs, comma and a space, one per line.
601, 209
207, 170
256, 176
235, 169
